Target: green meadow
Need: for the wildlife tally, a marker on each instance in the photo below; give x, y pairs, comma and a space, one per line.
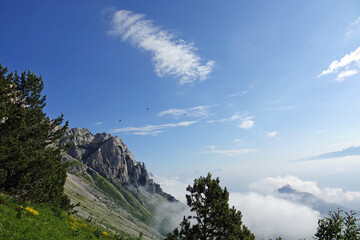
25, 221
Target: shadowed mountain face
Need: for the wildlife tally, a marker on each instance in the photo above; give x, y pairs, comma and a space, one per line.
109, 157
307, 199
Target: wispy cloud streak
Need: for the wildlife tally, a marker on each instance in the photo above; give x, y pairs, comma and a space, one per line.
246, 122
199, 111
349, 151
228, 152
171, 57
341, 76
234, 117
151, 129
354, 25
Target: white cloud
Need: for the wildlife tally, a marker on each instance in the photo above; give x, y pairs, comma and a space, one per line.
270, 217
172, 57
234, 117
346, 61
344, 74
175, 112
219, 120
228, 152
247, 123
353, 27
199, 111
143, 133
98, 123
338, 195
335, 195
272, 134
151, 129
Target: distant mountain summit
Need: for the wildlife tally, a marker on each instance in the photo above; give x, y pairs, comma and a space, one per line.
286, 189
304, 198
109, 157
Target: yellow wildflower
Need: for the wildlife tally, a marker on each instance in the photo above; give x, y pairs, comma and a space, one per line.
33, 211
74, 225
105, 233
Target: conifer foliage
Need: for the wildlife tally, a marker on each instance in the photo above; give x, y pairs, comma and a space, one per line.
339, 225
30, 159
213, 218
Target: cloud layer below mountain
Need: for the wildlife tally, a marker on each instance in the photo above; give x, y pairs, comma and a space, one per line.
267, 215
270, 217
334, 195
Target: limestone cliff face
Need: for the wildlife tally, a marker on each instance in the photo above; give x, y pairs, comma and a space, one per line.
109, 157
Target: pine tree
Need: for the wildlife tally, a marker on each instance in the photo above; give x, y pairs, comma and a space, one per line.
213, 218
30, 159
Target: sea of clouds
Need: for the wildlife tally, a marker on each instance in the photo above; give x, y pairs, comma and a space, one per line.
267, 215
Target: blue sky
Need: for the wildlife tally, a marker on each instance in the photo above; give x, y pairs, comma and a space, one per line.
239, 88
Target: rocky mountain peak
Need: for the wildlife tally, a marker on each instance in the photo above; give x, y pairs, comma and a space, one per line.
79, 135
109, 157
286, 189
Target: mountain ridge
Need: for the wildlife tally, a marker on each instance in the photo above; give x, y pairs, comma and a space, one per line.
113, 188
287, 192
109, 157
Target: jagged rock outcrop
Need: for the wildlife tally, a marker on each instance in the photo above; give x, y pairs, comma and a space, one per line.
109, 157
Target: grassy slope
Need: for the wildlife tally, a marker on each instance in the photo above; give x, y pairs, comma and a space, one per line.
122, 197
113, 207
50, 223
